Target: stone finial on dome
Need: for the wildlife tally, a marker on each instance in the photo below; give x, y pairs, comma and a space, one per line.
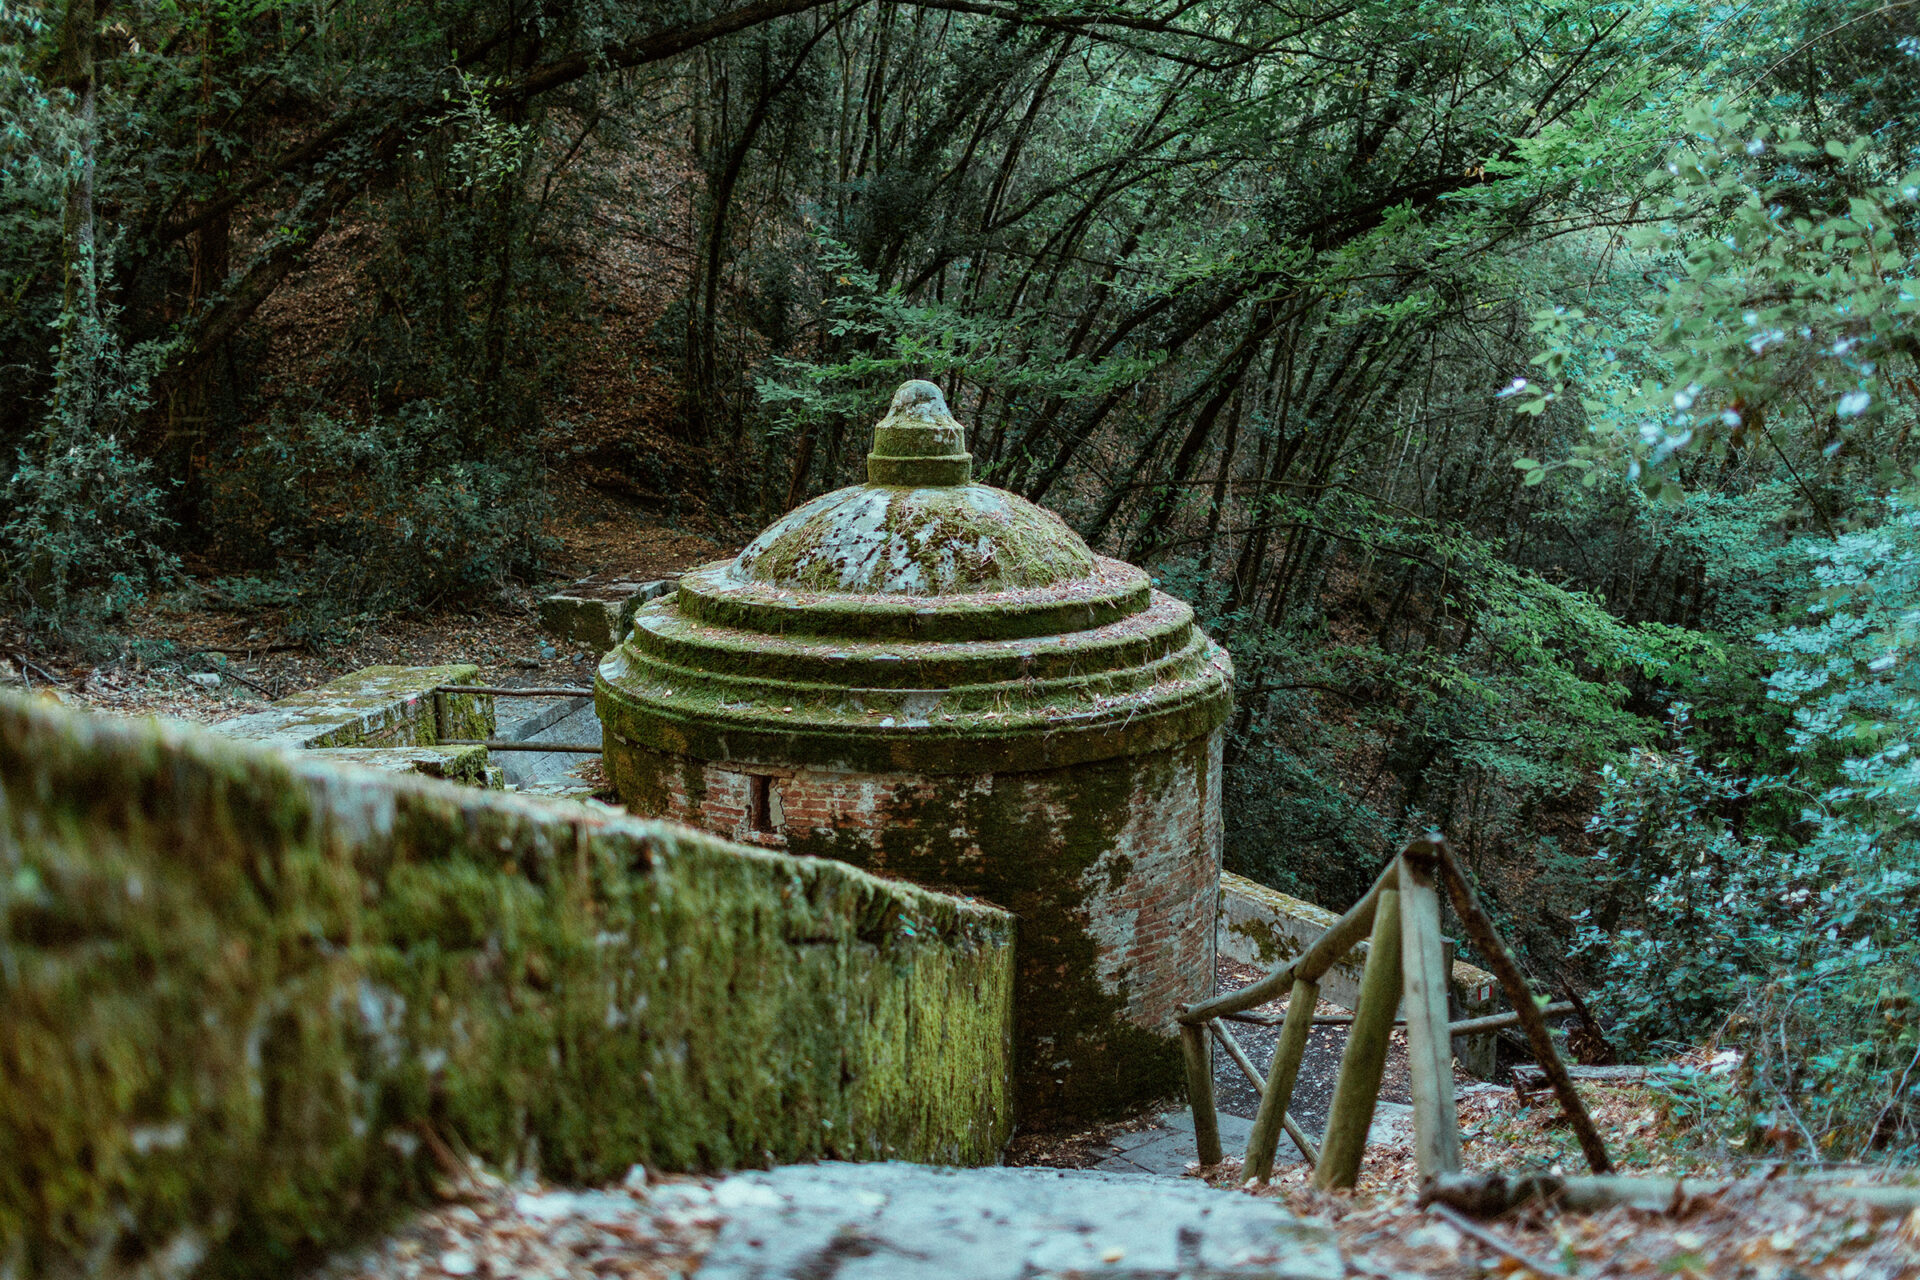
919, 444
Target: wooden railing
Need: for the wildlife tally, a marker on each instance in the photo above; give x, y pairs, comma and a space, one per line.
1406, 958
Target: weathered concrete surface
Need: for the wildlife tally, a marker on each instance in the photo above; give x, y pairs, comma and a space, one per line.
597, 611
243, 991
1170, 1146
373, 707
554, 773
890, 1221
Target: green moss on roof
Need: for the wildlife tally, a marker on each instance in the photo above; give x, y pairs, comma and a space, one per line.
941, 628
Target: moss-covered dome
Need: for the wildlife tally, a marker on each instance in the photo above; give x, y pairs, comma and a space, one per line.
918, 622
917, 528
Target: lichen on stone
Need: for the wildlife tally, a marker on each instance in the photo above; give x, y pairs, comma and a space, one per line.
239, 988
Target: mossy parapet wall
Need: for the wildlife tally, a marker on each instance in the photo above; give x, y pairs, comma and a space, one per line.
244, 993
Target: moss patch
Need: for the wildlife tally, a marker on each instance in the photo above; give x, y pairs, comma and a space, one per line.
235, 986
1040, 845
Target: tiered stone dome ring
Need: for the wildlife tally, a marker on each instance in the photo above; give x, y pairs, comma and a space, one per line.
938, 680
916, 622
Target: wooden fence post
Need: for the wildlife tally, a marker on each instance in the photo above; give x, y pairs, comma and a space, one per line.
1436, 1124
1479, 927
1264, 1141
1351, 1113
1206, 1120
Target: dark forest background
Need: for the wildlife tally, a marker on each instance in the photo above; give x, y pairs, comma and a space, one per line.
1524, 392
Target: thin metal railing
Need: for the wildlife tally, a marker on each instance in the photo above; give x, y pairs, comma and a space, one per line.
503, 744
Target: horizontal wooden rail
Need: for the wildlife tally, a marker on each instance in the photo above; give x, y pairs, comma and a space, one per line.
1466, 1027
1339, 939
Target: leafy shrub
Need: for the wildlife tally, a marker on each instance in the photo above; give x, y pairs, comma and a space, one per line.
363, 516
1802, 940
1686, 915
81, 515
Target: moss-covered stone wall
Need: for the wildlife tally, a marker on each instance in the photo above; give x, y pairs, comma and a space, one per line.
243, 993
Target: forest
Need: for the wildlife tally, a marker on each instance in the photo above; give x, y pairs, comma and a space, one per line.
1524, 391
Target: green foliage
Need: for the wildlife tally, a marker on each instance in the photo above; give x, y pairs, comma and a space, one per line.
360, 517
1768, 307
486, 151
1498, 702
81, 515
1801, 937
39, 150
884, 338
1686, 915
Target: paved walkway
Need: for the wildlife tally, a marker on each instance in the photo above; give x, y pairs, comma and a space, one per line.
892, 1221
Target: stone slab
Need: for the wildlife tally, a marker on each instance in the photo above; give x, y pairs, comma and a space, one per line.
890, 1221
1169, 1147
597, 611
468, 765
372, 707
520, 718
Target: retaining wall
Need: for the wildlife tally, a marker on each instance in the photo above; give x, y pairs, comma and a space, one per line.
244, 992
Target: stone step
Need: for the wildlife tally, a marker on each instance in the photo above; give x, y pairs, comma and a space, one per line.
894, 1221
560, 720
372, 707
597, 611
467, 765
1169, 1146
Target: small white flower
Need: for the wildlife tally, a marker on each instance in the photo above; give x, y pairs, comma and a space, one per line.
1853, 404
1518, 385
1755, 147
1730, 416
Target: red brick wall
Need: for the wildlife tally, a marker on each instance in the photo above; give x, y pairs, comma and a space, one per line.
1113, 868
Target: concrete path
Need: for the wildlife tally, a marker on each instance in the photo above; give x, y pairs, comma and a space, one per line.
911, 1222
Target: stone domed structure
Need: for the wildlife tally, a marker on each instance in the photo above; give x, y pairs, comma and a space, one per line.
939, 681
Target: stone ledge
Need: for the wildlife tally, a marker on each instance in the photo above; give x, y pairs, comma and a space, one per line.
597, 611
243, 982
468, 765
372, 707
